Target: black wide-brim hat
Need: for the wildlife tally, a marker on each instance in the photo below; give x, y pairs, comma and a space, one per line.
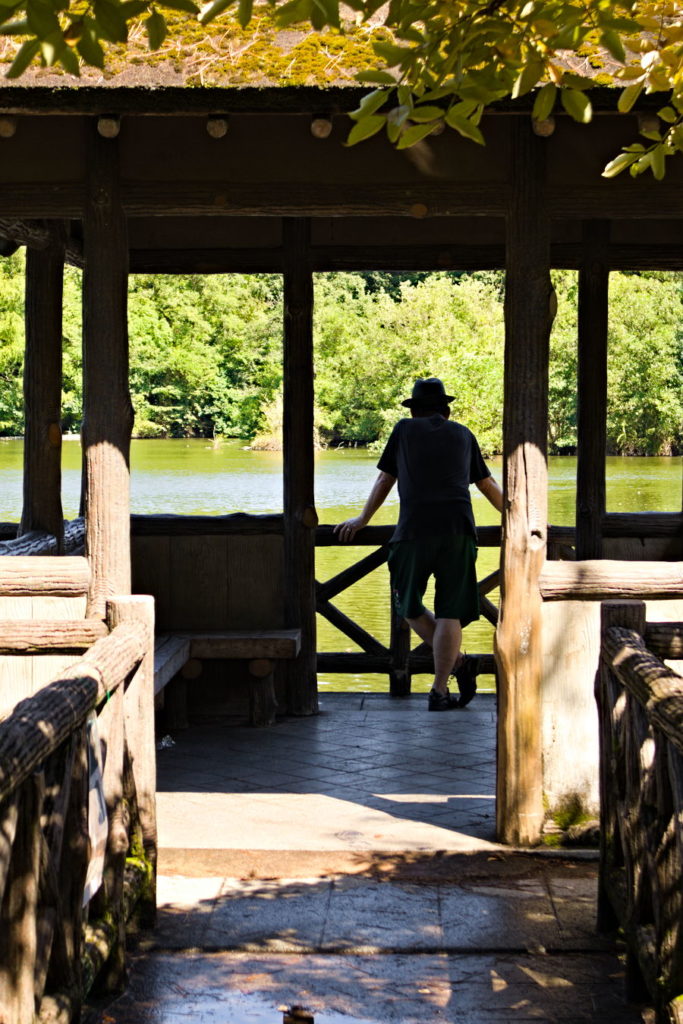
428, 391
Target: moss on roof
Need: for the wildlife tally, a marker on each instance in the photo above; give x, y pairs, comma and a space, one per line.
224, 54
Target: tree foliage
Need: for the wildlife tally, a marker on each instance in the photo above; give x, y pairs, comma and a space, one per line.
206, 355
441, 63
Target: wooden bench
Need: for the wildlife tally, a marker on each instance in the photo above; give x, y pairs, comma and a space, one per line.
182, 652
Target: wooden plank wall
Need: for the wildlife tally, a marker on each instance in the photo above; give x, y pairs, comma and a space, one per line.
212, 581
22, 675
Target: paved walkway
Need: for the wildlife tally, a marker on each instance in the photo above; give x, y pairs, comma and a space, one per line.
348, 863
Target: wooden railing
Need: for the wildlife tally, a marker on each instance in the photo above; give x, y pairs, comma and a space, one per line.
53, 950
399, 660
39, 543
640, 704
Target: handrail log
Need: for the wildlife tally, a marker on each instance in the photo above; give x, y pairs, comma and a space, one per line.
665, 639
605, 579
656, 687
38, 542
24, 575
39, 724
32, 635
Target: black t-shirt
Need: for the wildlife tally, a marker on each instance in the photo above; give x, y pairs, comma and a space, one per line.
435, 461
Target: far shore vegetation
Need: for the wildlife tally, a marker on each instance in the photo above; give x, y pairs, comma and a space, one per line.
206, 355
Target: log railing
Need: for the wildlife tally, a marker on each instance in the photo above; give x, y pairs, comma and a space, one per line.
53, 949
37, 542
640, 704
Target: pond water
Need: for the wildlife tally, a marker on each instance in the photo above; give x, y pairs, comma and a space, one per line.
194, 477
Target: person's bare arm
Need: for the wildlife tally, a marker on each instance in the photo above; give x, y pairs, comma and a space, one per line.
380, 489
492, 491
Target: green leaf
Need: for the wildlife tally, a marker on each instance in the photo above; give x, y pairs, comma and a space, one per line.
212, 10
668, 114
390, 53
186, 6
370, 103
375, 77
89, 47
577, 105
366, 128
423, 114
51, 48
465, 127
527, 79
26, 53
69, 61
413, 135
42, 20
110, 22
613, 44
629, 97
544, 102
393, 130
658, 162
244, 12
580, 82
15, 28
653, 136
132, 8
156, 29
329, 10
619, 164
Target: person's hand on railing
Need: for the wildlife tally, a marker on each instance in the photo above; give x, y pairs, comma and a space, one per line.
347, 530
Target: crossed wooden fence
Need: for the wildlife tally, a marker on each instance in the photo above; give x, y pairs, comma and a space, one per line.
399, 660
57, 943
640, 703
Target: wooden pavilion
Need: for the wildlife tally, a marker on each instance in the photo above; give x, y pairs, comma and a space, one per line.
169, 180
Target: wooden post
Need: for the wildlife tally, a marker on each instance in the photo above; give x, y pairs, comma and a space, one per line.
592, 389
138, 713
107, 412
529, 311
43, 392
300, 517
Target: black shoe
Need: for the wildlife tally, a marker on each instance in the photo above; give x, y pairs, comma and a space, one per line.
442, 701
466, 676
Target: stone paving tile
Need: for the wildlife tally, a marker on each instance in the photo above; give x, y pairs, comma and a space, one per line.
494, 920
247, 989
379, 916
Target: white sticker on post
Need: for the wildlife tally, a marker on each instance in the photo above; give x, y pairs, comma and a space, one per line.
98, 824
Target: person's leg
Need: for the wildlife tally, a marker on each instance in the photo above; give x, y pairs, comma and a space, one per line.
447, 641
425, 626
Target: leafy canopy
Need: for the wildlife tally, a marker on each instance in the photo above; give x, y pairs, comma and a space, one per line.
443, 61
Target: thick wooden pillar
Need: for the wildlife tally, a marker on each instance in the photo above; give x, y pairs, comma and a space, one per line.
592, 389
300, 517
529, 311
108, 412
43, 392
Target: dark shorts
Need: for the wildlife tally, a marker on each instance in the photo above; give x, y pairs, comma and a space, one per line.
451, 559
